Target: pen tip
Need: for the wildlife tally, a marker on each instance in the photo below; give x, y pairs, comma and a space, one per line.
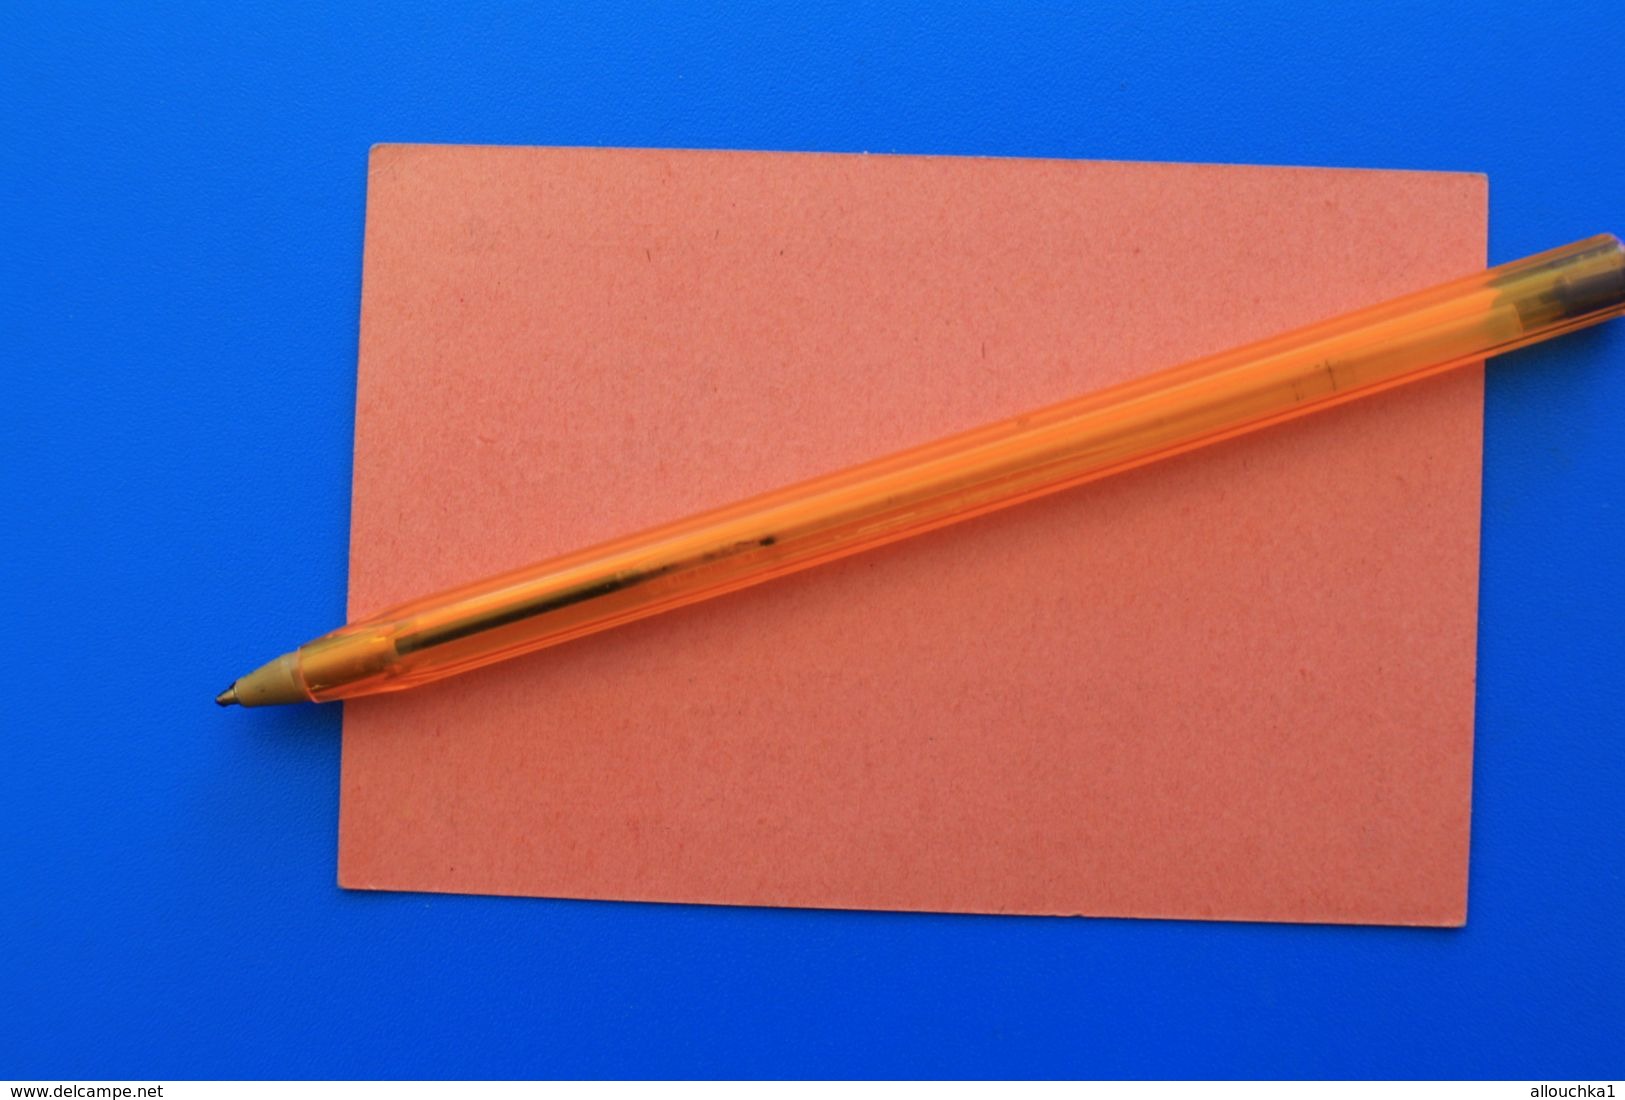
228, 697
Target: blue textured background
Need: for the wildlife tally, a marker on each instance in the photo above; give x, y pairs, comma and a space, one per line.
181, 199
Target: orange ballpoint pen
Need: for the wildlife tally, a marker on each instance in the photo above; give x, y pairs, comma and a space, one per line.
966, 475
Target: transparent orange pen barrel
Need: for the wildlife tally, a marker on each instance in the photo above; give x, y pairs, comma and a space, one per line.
953, 479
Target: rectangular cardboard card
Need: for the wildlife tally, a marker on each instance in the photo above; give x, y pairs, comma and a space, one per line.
1234, 685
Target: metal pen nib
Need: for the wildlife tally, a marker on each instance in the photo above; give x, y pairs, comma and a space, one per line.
278, 681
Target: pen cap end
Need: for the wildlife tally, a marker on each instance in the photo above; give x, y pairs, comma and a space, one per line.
1581, 284
1598, 284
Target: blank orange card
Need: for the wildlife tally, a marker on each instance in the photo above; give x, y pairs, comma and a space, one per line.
1234, 685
